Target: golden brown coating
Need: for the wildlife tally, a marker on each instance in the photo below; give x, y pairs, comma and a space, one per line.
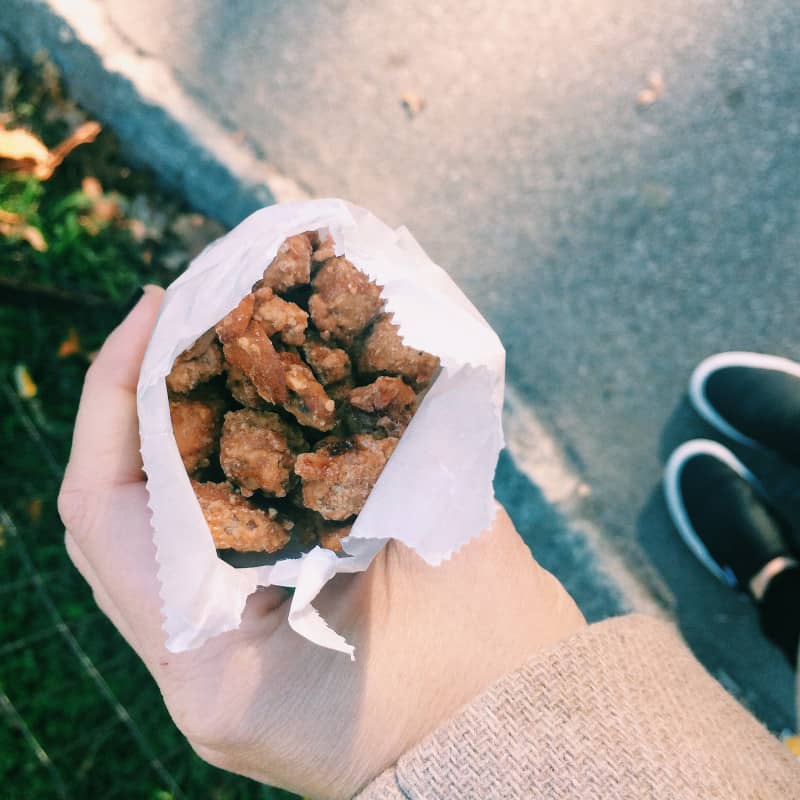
330, 364
386, 405
291, 266
242, 389
330, 537
278, 316
384, 351
344, 300
339, 475
281, 357
234, 324
197, 364
236, 523
195, 423
384, 394
255, 355
311, 529
323, 249
258, 450
306, 399
340, 392
246, 346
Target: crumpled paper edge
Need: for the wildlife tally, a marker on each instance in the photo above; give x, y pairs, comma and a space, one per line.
404, 298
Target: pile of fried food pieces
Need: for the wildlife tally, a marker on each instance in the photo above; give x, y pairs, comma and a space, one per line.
287, 410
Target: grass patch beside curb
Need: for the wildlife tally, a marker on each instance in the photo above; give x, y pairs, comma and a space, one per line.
81, 716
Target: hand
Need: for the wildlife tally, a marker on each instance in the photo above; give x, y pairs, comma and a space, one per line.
261, 700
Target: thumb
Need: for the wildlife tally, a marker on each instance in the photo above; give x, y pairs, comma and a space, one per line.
105, 444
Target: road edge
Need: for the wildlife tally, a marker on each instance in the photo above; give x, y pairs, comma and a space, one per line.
191, 151
195, 154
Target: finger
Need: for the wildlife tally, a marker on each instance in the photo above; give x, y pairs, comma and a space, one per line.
120, 357
105, 444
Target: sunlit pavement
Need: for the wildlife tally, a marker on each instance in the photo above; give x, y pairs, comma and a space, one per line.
614, 184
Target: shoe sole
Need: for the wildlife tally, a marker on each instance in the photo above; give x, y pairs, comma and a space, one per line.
672, 494
734, 358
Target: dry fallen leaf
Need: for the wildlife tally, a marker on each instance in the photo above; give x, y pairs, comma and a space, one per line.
70, 345
13, 226
10, 218
92, 187
653, 91
413, 102
26, 386
21, 151
104, 208
35, 238
34, 509
138, 229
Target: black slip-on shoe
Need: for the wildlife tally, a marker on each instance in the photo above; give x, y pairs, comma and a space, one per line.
752, 398
721, 513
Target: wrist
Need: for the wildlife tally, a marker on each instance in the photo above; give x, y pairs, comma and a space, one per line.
438, 637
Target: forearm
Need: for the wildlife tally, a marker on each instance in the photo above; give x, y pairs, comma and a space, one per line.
621, 709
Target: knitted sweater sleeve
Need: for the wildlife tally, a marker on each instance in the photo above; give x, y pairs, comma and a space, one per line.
620, 710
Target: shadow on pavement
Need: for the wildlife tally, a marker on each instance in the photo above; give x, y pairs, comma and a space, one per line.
557, 546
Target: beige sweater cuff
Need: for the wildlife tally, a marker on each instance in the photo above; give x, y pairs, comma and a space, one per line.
620, 710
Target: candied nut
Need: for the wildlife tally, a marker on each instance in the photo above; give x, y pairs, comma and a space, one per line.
236, 523
278, 316
338, 477
340, 392
259, 344
330, 364
385, 394
291, 266
324, 249
234, 324
387, 405
242, 389
257, 451
254, 354
314, 529
384, 352
197, 364
307, 401
195, 423
331, 537
344, 300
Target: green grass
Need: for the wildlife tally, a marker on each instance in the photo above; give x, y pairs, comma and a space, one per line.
61, 734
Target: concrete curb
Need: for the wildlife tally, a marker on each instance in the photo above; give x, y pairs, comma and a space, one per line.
190, 151
195, 154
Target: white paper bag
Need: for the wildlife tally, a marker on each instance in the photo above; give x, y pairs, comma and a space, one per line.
435, 492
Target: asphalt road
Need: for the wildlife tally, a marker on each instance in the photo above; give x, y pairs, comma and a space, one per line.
613, 238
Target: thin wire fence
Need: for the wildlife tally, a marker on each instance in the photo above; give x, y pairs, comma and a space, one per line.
79, 714
58, 627
63, 630
14, 718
